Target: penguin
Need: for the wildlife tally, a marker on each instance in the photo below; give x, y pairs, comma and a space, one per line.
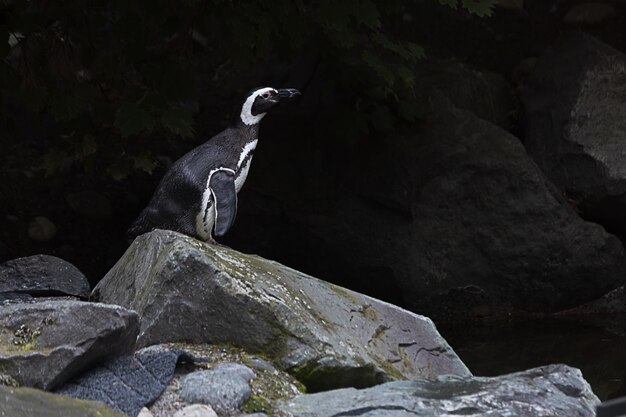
197, 196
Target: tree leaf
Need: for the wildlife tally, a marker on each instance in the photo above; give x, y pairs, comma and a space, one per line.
376, 64
120, 169
406, 75
88, 146
367, 14
480, 8
34, 97
452, 3
179, 121
67, 102
145, 162
55, 160
408, 110
132, 119
416, 50
382, 119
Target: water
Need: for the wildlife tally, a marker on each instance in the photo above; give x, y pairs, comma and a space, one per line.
597, 346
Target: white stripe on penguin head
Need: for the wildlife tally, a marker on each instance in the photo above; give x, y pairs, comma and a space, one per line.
246, 110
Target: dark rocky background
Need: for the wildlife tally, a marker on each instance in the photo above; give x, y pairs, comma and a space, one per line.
499, 190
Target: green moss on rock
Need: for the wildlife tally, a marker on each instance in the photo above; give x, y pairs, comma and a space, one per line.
24, 336
269, 385
8, 381
321, 378
257, 404
28, 402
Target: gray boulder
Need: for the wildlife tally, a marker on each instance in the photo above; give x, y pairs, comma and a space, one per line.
44, 344
451, 219
486, 94
576, 124
554, 390
565, 339
28, 402
127, 383
196, 410
42, 275
185, 290
589, 13
484, 230
225, 387
268, 386
613, 302
14, 297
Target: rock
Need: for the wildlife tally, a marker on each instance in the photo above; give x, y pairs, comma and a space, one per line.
486, 231
196, 410
128, 383
44, 344
589, 13
8, 381
452, 219
144, 412
224, 387
258, 363
28, 402
42, 275
268, 386
234, 370
564, 338
576, 125
611, 408
186, 290
41, 229
553, 390
14, 297
613, 302
486, 94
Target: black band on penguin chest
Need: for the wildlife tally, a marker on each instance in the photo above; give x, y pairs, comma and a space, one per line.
244, 163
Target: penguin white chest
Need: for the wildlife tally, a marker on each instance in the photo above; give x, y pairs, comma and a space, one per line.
243, 165
206, 217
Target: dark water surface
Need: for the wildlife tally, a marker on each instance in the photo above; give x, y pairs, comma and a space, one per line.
597, 346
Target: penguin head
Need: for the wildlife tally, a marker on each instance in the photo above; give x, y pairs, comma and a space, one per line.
260, 100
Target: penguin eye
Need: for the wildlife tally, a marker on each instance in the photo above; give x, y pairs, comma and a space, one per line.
265, 95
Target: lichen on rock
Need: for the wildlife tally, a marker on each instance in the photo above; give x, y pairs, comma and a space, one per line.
328, 336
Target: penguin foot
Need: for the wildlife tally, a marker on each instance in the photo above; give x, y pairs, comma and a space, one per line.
212, 241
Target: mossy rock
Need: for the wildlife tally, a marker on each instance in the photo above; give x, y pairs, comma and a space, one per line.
44, 344
269, 385
327, 336
28, 402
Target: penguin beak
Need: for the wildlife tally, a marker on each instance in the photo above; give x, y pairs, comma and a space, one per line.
288, 93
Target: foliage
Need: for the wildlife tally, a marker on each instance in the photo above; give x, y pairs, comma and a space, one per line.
115, 72
481, 8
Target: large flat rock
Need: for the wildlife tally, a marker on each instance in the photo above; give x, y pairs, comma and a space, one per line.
185, 290
43, 344
28, 402
554, 390
576, 124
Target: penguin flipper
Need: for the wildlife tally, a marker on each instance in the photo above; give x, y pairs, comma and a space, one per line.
222, 186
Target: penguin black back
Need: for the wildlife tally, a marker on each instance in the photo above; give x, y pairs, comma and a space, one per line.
197, 195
